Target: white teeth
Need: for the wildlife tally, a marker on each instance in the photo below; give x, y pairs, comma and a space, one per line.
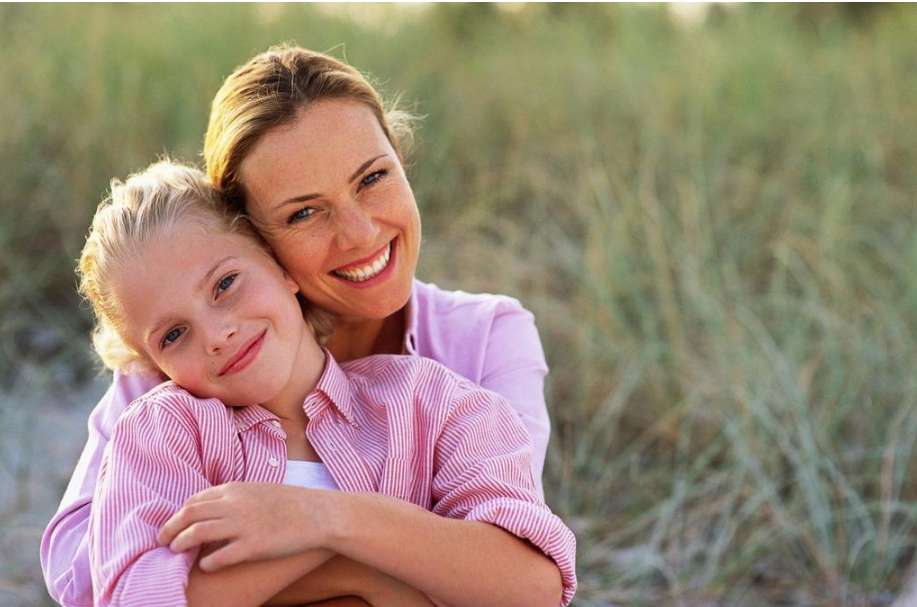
369, 270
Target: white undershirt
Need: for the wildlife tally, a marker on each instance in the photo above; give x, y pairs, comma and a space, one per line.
310, 475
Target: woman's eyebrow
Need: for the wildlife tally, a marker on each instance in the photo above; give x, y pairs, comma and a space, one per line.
308, 197
363, 167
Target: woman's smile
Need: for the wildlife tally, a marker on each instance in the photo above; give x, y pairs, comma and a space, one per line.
370, 271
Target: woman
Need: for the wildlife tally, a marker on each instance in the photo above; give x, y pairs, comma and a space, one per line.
302, 144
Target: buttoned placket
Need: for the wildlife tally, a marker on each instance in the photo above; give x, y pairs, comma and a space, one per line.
326, 432
274, 465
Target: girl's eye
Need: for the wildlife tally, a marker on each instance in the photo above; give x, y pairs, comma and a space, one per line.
373, 178
301, 215
225, 283
171, 337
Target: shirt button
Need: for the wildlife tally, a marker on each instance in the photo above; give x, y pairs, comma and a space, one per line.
273, 463
275, 423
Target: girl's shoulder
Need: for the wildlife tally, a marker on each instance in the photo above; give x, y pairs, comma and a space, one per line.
169, 400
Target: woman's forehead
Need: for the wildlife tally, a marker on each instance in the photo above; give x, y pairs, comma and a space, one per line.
322, 149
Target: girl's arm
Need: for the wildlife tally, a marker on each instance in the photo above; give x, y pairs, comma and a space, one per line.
153, 463
488, 539
482, 475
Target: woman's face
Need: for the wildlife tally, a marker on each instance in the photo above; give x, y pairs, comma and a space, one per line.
330, 196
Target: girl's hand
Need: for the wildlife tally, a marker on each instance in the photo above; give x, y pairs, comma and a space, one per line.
254, 521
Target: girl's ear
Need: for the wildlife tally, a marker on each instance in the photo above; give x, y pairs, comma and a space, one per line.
290, 282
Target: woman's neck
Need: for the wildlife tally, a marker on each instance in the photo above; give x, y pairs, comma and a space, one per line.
356, 338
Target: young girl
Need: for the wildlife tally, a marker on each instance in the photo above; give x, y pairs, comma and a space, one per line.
183, 288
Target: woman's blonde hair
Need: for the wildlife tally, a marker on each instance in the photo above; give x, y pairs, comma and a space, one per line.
163, 195
269, 92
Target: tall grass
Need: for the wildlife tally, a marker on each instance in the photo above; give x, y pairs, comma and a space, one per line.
714, 225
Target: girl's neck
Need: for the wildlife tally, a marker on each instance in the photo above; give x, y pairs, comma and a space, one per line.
356, 338
304, 377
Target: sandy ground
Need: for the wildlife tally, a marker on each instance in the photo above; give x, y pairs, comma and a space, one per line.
42, 431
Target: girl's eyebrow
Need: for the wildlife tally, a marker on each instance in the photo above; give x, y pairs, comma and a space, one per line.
206, 279
307, 197
200, 286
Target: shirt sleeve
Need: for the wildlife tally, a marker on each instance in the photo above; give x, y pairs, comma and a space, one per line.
515, 368
64, 551
482, 473
151, 467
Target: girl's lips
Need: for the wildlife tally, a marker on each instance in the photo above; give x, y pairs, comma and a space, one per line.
244, 356
378, 278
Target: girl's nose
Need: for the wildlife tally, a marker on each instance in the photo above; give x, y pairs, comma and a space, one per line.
356, 228
219, 335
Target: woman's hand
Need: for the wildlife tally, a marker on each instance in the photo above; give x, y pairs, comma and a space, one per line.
253, 521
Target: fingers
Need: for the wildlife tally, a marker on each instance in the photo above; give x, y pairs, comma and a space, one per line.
230, 554
199, 534
190, 514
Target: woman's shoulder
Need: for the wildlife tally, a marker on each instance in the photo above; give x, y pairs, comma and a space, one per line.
431, 300
470, 333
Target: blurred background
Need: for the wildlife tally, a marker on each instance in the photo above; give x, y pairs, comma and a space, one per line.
710, 210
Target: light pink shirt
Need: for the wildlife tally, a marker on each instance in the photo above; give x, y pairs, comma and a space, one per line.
400, 426
489, 339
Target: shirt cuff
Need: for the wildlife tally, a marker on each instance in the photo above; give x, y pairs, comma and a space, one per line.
537, 524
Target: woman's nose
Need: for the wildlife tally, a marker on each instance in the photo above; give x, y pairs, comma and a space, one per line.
356, 228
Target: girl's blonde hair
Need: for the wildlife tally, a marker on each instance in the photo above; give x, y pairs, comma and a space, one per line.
271, 91
163, 195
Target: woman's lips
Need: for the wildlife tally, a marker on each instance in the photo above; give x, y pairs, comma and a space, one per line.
364, 274
244, 356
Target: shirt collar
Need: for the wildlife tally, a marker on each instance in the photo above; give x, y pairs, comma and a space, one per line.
247, 417
333, 388
410, 323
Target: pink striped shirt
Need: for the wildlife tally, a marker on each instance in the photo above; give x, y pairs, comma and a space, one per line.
402, 426
489, 339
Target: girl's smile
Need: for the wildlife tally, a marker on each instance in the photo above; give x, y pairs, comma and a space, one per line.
244, 356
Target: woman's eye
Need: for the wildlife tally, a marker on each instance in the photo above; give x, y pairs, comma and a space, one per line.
373, 178
171, 337
300, 215
225, 283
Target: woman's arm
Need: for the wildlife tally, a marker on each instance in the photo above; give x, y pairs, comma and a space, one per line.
514, 367
340, 577
64, 549
255, 583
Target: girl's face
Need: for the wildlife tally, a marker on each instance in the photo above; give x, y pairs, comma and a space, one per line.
216, 314
330, 196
